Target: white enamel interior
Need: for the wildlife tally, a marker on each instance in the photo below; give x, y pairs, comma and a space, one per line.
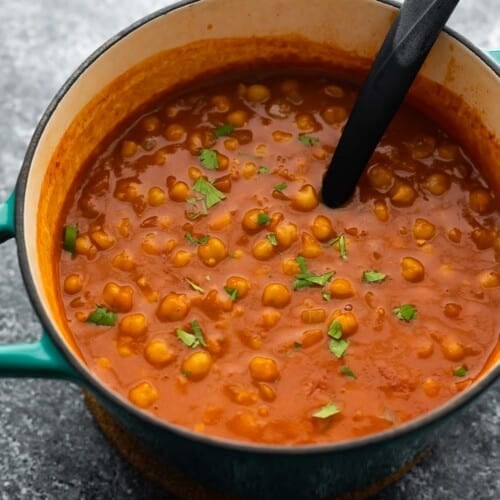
357, 26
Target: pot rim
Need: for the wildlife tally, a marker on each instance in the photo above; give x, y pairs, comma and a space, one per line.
95, 384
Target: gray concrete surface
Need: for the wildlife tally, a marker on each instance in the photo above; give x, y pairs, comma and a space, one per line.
49, 445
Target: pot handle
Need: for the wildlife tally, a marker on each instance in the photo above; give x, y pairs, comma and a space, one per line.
37, 359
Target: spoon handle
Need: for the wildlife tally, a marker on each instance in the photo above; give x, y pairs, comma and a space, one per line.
403, 52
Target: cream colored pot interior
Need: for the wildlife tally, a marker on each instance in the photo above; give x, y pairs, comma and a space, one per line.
199, 38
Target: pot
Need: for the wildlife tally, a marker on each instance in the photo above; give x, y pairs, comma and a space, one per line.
162, 52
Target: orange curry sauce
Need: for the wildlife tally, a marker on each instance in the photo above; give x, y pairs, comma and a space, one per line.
241, 304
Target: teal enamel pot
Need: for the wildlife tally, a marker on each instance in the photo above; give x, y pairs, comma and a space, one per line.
112, 83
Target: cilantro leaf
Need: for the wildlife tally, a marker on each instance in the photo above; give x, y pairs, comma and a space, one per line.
263, 170
208, 159
232, 292
338, 347
340, 240
194, 339
198, 333
211, 193
327, 411
306, 278
102, 317
271, 237
280, 187
263, 219
405, 312
326, 296
347, 372
69, 238
460, 371
224, 130
194, 286
308, 140
335, 330
373, 277
196, 241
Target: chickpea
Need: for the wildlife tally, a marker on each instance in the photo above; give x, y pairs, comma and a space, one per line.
341, 288
238, 118
281, 136
173, 307
380, 178
437, 183
334, 115
194, 173
402, 194
240, 284
175, 132
73, 283
160, 157
483, 238
424, 348
266, 392
276, 295
143, 395
322, 228
240, 395
489, 279
334, 91
102, 240
431, 387
123, 227
423, 229
179, 191
258, 93
119, 298
269, 319
150, 124
311, 316
250, 222
448, 151
423, 147
212, 252
83, 246
290, 267
480, 201
248, 170
310, 248
348, 321
150, 244
221, 222
221, 103
156, 197
133, 325
286, 234
181, 258
452, 310
454, 235
158, 353
305, 122
245, 424
381, 210
311, 337
263, 369
306, 199
412, 269
452, 349
197, 365
128, 149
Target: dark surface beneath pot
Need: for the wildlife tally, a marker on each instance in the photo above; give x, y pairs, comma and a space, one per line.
50, 446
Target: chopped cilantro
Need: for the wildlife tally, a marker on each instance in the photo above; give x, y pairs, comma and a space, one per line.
69, 238
263, 170
335, 330
232, 292
347, 372
263, 219
340, 240
198, 333
280, 187
327, 411
102, 317
338, 347
308, 140
211, 193
271, 237
224, 130
194, 286
195, 241
231, 255
460, 371
326, 296
306, 278
208, 159
194, 339
405, 312
373, 277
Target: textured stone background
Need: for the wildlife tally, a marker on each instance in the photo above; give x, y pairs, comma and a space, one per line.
49, 445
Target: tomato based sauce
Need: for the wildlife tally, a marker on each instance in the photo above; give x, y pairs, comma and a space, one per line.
203, 279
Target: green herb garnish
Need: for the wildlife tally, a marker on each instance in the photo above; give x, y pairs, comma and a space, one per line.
460, 371
211, 193
231, 255
263, 170
326, 296
194, 339
232, 292
196, 241
327, 411
335, 330
198, 333
194, 286
208, 159
373, 277
263, 219
224, 130
337, 344
342, 245
280, 187
69, 238
405, 312
308, 140
271, 237
306, 278
102, 317
347, 372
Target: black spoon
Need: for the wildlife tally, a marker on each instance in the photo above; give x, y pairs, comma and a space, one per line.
402, 54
